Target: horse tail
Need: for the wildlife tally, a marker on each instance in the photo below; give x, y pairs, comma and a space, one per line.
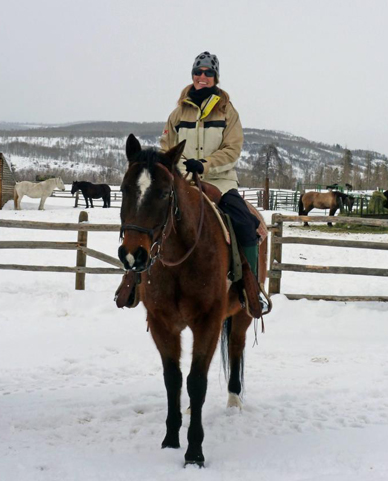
341, 200
225, 333
300, 205
106, 196
225, 337
15, 197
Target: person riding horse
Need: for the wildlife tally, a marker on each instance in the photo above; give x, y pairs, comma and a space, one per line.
211, 126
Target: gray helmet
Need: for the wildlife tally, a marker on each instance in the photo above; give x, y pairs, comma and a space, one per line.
205, 59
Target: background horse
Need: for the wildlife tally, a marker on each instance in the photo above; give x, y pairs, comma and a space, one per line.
92, 191
332, 200
42, 189
173, 238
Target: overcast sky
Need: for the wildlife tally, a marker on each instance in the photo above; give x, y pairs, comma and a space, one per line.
315, 68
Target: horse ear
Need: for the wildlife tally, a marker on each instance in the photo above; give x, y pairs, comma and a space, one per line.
132, 146
176, 152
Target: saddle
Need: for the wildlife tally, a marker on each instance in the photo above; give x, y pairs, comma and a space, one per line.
250, 286
127, 293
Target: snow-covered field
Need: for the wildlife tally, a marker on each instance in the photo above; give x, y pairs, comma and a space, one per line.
81, 387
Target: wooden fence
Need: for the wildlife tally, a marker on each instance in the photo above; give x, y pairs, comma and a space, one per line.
251, 195
277, 266
80, 269
79, 200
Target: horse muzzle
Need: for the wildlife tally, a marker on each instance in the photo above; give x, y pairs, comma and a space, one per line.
137, 262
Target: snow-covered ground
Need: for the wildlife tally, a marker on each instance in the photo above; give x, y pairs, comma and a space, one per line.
81, 386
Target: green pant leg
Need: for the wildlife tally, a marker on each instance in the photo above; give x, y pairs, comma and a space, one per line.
252, 255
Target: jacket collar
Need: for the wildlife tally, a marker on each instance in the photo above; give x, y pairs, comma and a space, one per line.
207, 105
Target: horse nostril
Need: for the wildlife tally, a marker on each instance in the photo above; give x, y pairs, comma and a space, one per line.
123, 257
136, 262
141, 258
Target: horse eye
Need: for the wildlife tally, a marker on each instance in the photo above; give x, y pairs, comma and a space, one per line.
164, 194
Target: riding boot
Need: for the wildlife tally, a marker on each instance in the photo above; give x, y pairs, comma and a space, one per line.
251, 284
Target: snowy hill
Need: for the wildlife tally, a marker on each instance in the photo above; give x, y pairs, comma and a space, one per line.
94, 151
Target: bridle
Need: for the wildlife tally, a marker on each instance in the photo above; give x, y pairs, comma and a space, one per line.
173, 212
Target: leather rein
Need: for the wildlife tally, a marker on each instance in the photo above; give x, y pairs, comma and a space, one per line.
156, 251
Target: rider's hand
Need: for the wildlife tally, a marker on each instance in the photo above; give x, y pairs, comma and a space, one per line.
194, 166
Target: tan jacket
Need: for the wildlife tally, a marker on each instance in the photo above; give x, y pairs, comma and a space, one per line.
211, 135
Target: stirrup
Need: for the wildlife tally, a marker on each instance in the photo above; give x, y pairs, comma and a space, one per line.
265, 300
251, 292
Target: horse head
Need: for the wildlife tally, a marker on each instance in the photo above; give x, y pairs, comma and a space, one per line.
59, 183
74, 187
148, 199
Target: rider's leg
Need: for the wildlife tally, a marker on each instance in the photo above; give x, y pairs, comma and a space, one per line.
252, 255
245, 225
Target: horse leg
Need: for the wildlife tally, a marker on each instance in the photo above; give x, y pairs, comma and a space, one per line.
206, 336
332, 212
86, 200
18, 201
91, 202
234, 334
169, 346
306, 212
42, 201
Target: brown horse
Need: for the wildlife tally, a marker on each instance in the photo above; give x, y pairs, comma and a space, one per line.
174, 239
332, 200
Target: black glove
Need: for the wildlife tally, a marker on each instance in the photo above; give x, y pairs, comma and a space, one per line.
194, 166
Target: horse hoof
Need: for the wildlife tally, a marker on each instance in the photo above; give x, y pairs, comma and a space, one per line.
171, 445
194, 457
234, 401
171, 442
200, 464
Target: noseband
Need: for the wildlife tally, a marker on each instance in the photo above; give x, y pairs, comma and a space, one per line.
165, 227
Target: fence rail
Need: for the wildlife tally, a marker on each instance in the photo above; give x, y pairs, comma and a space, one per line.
80, 269
251, 195
277, 266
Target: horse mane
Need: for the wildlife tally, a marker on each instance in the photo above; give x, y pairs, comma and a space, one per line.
82, 182
152, 156
340, 194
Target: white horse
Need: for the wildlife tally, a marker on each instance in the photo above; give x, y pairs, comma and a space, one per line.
41, 189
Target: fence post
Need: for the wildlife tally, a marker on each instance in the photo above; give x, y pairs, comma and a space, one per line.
276, 253
81, 257
263, 255
76, 198
266, 194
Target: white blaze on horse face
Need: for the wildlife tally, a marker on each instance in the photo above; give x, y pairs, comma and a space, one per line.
130, 259
144, 183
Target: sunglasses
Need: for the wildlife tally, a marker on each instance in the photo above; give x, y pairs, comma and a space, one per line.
208, 73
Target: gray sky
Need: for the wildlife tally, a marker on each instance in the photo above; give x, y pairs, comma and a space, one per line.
315, 68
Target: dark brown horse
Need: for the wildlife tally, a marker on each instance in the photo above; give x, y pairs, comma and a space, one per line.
174, 239
92, 191
332, 200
